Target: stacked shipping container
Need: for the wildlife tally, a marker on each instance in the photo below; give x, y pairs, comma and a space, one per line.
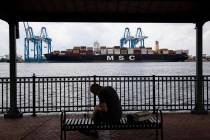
103, 50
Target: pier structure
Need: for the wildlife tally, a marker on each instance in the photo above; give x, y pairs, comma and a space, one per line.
13, 34
199, 99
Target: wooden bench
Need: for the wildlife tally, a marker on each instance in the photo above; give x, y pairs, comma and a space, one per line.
73, 124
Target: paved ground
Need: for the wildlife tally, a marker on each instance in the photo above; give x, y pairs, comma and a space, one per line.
177, 126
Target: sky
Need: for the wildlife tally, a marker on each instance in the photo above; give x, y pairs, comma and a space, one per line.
66, 35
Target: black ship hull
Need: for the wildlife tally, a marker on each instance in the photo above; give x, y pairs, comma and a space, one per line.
117, 58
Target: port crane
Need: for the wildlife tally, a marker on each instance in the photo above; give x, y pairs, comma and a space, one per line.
126, 38
139, 38
46, 39
133, 41
37, 43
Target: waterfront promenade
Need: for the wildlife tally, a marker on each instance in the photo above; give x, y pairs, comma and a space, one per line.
177, 126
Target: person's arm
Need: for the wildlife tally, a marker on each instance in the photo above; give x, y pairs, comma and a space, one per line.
101, 107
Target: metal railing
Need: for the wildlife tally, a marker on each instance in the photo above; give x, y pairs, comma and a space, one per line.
53, 94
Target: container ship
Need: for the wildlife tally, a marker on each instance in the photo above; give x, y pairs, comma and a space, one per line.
117, 54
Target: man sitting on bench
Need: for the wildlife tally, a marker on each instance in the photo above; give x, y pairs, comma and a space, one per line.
109, 108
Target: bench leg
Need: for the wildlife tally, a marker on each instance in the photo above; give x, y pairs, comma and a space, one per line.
61, 137
161, 133
156, 133
64, 135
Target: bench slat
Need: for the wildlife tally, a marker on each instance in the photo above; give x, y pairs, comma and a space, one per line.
83, 123
88, 123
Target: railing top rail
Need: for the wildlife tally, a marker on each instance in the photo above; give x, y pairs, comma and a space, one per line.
108, 76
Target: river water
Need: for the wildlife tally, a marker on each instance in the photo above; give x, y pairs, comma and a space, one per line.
105, 69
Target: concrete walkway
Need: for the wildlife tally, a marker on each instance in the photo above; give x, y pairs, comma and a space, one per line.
177, 126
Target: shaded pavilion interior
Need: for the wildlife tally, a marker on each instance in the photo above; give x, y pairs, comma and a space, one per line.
154, 11
179, 11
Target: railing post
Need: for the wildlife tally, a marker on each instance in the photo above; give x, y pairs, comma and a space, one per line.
94, 81
34, 95
153, 83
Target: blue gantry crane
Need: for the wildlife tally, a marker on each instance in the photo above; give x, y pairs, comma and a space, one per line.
126, 38
133, 41
46, 39
37, 43
139, 38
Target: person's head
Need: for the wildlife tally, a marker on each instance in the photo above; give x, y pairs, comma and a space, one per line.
95, 89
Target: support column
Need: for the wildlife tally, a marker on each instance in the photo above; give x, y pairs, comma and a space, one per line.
199, 102
13, 111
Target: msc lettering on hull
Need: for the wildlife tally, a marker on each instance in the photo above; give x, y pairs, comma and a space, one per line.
120, 58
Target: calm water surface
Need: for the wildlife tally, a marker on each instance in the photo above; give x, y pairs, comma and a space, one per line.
105, 69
